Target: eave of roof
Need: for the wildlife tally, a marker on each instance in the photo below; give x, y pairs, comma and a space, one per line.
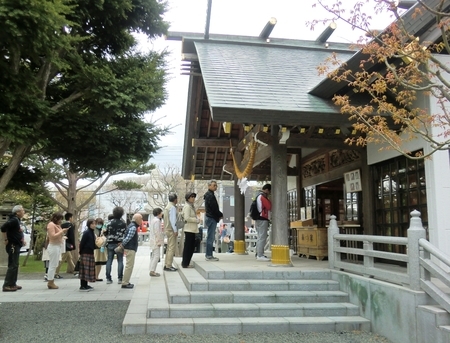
264, 83
189, 38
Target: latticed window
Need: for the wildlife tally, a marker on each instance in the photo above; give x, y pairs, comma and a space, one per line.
310, 201
401, 188
351, 207
292, 204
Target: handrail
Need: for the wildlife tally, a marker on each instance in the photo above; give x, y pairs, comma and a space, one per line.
434, 251
430, 268
373, 239
423, 259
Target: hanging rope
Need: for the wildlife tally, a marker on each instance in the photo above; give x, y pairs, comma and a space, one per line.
249, 167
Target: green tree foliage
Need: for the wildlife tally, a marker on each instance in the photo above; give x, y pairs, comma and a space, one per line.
72, 85
127, 185
39, 201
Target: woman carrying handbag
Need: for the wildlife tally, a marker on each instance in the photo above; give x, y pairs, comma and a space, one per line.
190, 229
100, 254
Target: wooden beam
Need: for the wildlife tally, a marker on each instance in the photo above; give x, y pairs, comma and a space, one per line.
247, 138
214, 142
266, 171
300, 141
262, 154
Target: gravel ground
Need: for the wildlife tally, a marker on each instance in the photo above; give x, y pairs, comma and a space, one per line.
92, 322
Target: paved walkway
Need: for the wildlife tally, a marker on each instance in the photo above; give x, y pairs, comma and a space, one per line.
36, 289
102, 321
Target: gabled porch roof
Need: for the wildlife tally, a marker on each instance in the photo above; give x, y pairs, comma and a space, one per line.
243, 80
265, 84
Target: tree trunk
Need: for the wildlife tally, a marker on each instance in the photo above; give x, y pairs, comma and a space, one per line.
17, 157
72, 208
72, 195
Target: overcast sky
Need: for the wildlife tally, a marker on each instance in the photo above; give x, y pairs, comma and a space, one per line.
237, 17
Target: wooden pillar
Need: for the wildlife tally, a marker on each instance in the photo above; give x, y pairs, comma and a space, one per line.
239, 221
280, 222
368, 196
300, 199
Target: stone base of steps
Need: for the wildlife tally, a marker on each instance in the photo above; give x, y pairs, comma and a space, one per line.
223, 310
191, 326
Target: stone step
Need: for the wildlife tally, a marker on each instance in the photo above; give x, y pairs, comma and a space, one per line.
194, 280
266, 285
238, 325
433, 324
212, 271
242, 297
178, 285
436, 314
254, 310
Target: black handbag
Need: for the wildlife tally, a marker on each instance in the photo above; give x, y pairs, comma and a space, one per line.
77, 266
69, 246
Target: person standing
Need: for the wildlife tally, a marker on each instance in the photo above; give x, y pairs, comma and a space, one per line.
231, 235
70, 242
130, 244
190, 229
262, 223
224, 239
115, 232
199, 237
13, 238
87, 261
171, 231
212, 217
156, 239
100, 255
55, 236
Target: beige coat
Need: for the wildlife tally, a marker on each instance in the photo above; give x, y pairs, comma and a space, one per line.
190, 219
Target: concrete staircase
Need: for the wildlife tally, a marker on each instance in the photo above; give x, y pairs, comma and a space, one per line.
207, 299
433, 324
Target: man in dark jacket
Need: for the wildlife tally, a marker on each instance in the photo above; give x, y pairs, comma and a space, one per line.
115, 232
13, 238
130, 244
212, 217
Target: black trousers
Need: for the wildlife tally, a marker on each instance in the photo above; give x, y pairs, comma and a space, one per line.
13, 252
189, 247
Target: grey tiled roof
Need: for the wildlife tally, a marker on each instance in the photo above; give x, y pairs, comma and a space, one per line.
262, 79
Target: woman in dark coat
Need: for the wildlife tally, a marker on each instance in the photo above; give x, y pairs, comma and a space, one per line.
87, 262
